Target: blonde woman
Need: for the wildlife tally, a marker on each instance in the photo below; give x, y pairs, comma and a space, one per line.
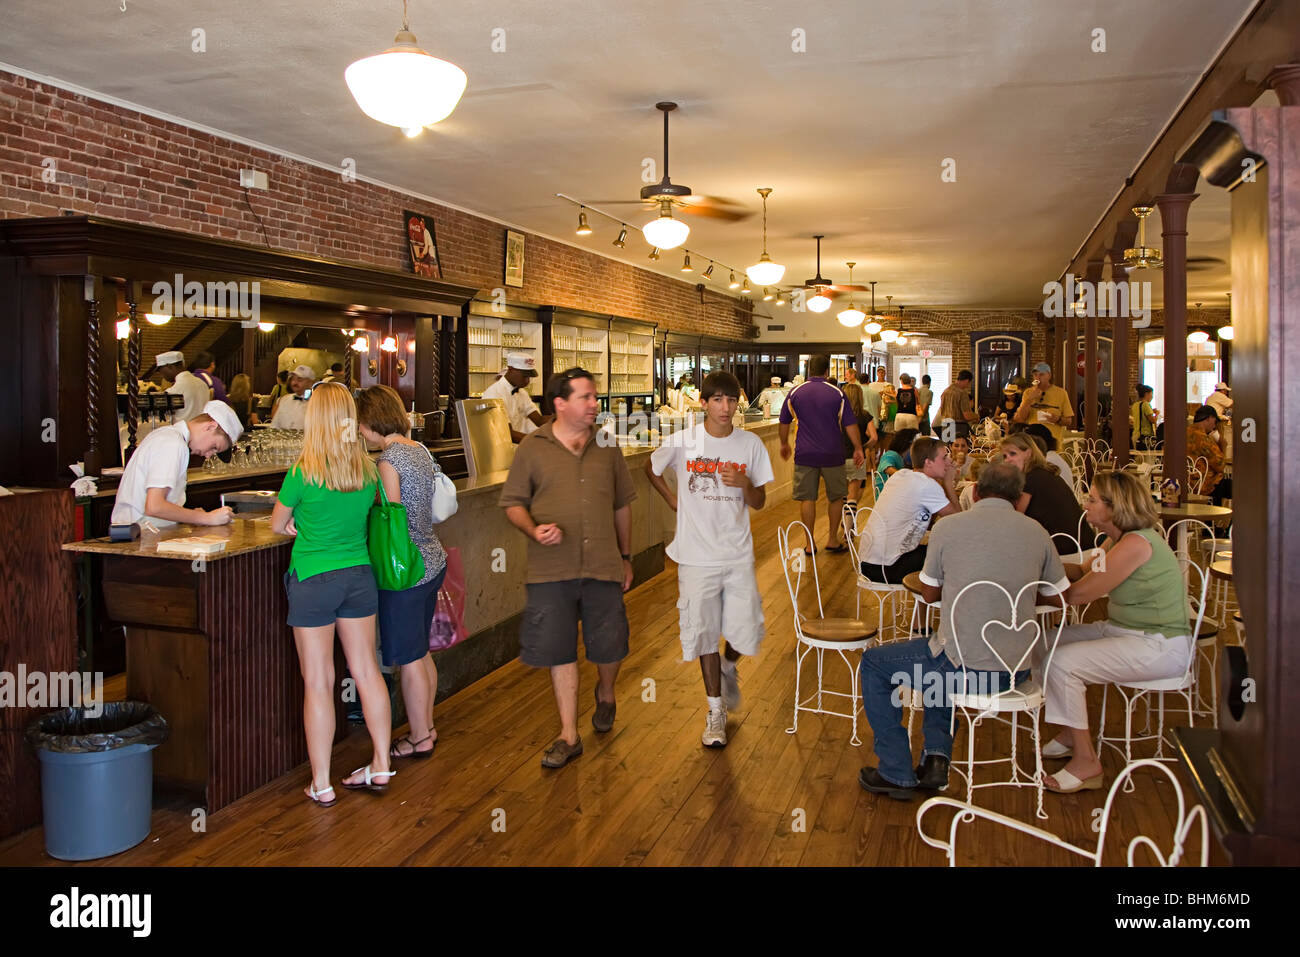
1047, 499
240, 398
324, 502
857, 474
1147, 634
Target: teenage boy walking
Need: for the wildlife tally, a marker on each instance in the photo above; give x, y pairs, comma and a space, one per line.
721, 473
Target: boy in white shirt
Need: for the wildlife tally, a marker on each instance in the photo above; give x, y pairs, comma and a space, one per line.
721, 473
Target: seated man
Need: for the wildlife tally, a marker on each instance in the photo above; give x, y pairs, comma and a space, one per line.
1200, 445
991, 542
890, 545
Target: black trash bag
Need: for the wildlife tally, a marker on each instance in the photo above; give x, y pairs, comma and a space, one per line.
69, 731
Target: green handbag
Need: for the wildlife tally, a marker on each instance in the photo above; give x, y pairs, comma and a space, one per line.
396, 559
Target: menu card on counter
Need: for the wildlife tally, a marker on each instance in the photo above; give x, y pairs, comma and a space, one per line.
194, 546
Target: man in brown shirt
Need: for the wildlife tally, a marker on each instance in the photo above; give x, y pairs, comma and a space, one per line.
570, 495
957, 406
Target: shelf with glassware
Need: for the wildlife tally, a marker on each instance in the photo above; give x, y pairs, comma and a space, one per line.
582, 347
631, 364
490, 339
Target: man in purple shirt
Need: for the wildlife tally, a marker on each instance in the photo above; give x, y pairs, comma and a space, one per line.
825, 416
205, 367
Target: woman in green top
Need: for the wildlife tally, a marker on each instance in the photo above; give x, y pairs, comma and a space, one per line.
324, 503
1147, 636
1142, 418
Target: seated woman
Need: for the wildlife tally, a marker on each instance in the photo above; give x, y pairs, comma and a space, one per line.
1148, 633
894, 459
1047, 499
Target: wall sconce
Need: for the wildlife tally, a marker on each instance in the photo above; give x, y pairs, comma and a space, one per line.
361, 344
389, 344
124, 328
372, 368
401, 368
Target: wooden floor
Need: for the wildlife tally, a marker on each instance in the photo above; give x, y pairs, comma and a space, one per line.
645, 793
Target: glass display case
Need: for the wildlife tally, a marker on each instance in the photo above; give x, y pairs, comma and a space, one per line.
581, 346
631, 368
490, 338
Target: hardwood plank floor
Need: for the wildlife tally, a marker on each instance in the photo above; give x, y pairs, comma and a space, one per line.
647, 792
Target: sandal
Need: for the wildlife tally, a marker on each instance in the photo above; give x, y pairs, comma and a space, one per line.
1067, 783
1055, 749
394, 752
836, 549
316, 795
369, 784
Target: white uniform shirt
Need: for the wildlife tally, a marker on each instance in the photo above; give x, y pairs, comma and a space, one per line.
1221, 402
197, 394
160, 461
774, 396
291, 413
519, 404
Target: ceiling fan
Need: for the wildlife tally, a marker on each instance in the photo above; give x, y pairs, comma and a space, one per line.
824, 291
667, 195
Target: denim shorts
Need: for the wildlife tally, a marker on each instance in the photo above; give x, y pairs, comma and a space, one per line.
341, 593
405, 618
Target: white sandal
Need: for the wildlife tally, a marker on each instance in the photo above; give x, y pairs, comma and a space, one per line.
1067, 783
316, 795
369, 784
1055, 749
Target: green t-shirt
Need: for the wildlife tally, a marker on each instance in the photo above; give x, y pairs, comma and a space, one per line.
331, 525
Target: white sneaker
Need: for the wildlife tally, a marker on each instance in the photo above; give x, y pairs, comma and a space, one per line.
730, 688
715, 730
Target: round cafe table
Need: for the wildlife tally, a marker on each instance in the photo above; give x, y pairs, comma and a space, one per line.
1206, 513
922, 612
1222, 570
912, 583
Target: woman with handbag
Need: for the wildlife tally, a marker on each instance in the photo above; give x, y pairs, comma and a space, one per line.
409, 476
325, 503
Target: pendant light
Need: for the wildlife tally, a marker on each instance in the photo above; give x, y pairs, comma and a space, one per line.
1142, 256
744, 289
1225, 332
404, 86
765, 272
708, 273
686, 264
733, 282
818, 301
583, 228
664, 231
851, 317
622, 238
780, 298
873, 327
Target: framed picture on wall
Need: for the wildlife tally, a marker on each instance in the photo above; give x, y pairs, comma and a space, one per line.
423, 246
514, 258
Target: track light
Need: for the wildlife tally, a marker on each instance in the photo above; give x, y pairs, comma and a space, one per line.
732, 283
767, 294
686, 264
780, 298
622, 238
745, 290
654, 253
583, 228
708, 273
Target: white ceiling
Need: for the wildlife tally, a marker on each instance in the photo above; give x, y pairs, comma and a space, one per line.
850, 133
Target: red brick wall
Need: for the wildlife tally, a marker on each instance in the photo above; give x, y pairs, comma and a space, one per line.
121, 164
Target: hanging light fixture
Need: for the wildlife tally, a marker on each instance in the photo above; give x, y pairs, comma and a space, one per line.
1225, 332
767, 294
708, 273
744, 289
404, 86
265, 326
654, 253
622, 238
664, 231
733, 283
818, 301
873, 327
583, 228
888, 335
1142, 256
157, 319
780, 298
686, 264
765, 272
901, 340
852, 316
1198, 337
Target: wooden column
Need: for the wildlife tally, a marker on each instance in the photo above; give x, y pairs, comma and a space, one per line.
1173, 232
1119, 384
1090, 374
1068, 382
93, 459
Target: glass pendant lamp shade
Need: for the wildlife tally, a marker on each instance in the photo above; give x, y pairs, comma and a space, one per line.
888, 335
1199, 337
404, 86
851, 317
1225, 332
265, 326
664, 231
765, 272
872, 328
157, 319
819, 303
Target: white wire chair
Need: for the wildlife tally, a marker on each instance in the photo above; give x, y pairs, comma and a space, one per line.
854, 524
1183, 683
1025, 698
820, 634
1183, 824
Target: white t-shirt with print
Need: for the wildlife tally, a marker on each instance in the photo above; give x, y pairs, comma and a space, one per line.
901, 517
712, 518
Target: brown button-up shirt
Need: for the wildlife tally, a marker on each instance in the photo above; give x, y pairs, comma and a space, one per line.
580, 494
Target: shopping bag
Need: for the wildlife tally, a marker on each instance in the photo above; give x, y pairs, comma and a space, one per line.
449, 616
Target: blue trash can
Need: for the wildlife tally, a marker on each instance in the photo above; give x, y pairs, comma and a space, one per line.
97, 778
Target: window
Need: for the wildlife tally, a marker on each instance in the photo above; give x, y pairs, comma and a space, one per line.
1202, 360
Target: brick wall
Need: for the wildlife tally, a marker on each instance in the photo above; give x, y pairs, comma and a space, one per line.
121, 164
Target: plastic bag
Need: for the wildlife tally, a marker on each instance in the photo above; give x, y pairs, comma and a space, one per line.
448, 626
69, 731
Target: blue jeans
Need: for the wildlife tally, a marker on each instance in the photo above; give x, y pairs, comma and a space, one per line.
883, 670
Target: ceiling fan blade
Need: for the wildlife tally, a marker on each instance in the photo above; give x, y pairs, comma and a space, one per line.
845, 287
713, 207
621, 202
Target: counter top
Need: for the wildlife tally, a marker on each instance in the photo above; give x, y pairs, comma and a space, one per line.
244, 535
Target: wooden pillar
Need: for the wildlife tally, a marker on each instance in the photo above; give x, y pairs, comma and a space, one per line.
1173, 233
93, 458
1068, 382
1090, 374
1119, 386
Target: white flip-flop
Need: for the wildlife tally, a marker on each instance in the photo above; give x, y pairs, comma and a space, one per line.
1055, 749
1068, 783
